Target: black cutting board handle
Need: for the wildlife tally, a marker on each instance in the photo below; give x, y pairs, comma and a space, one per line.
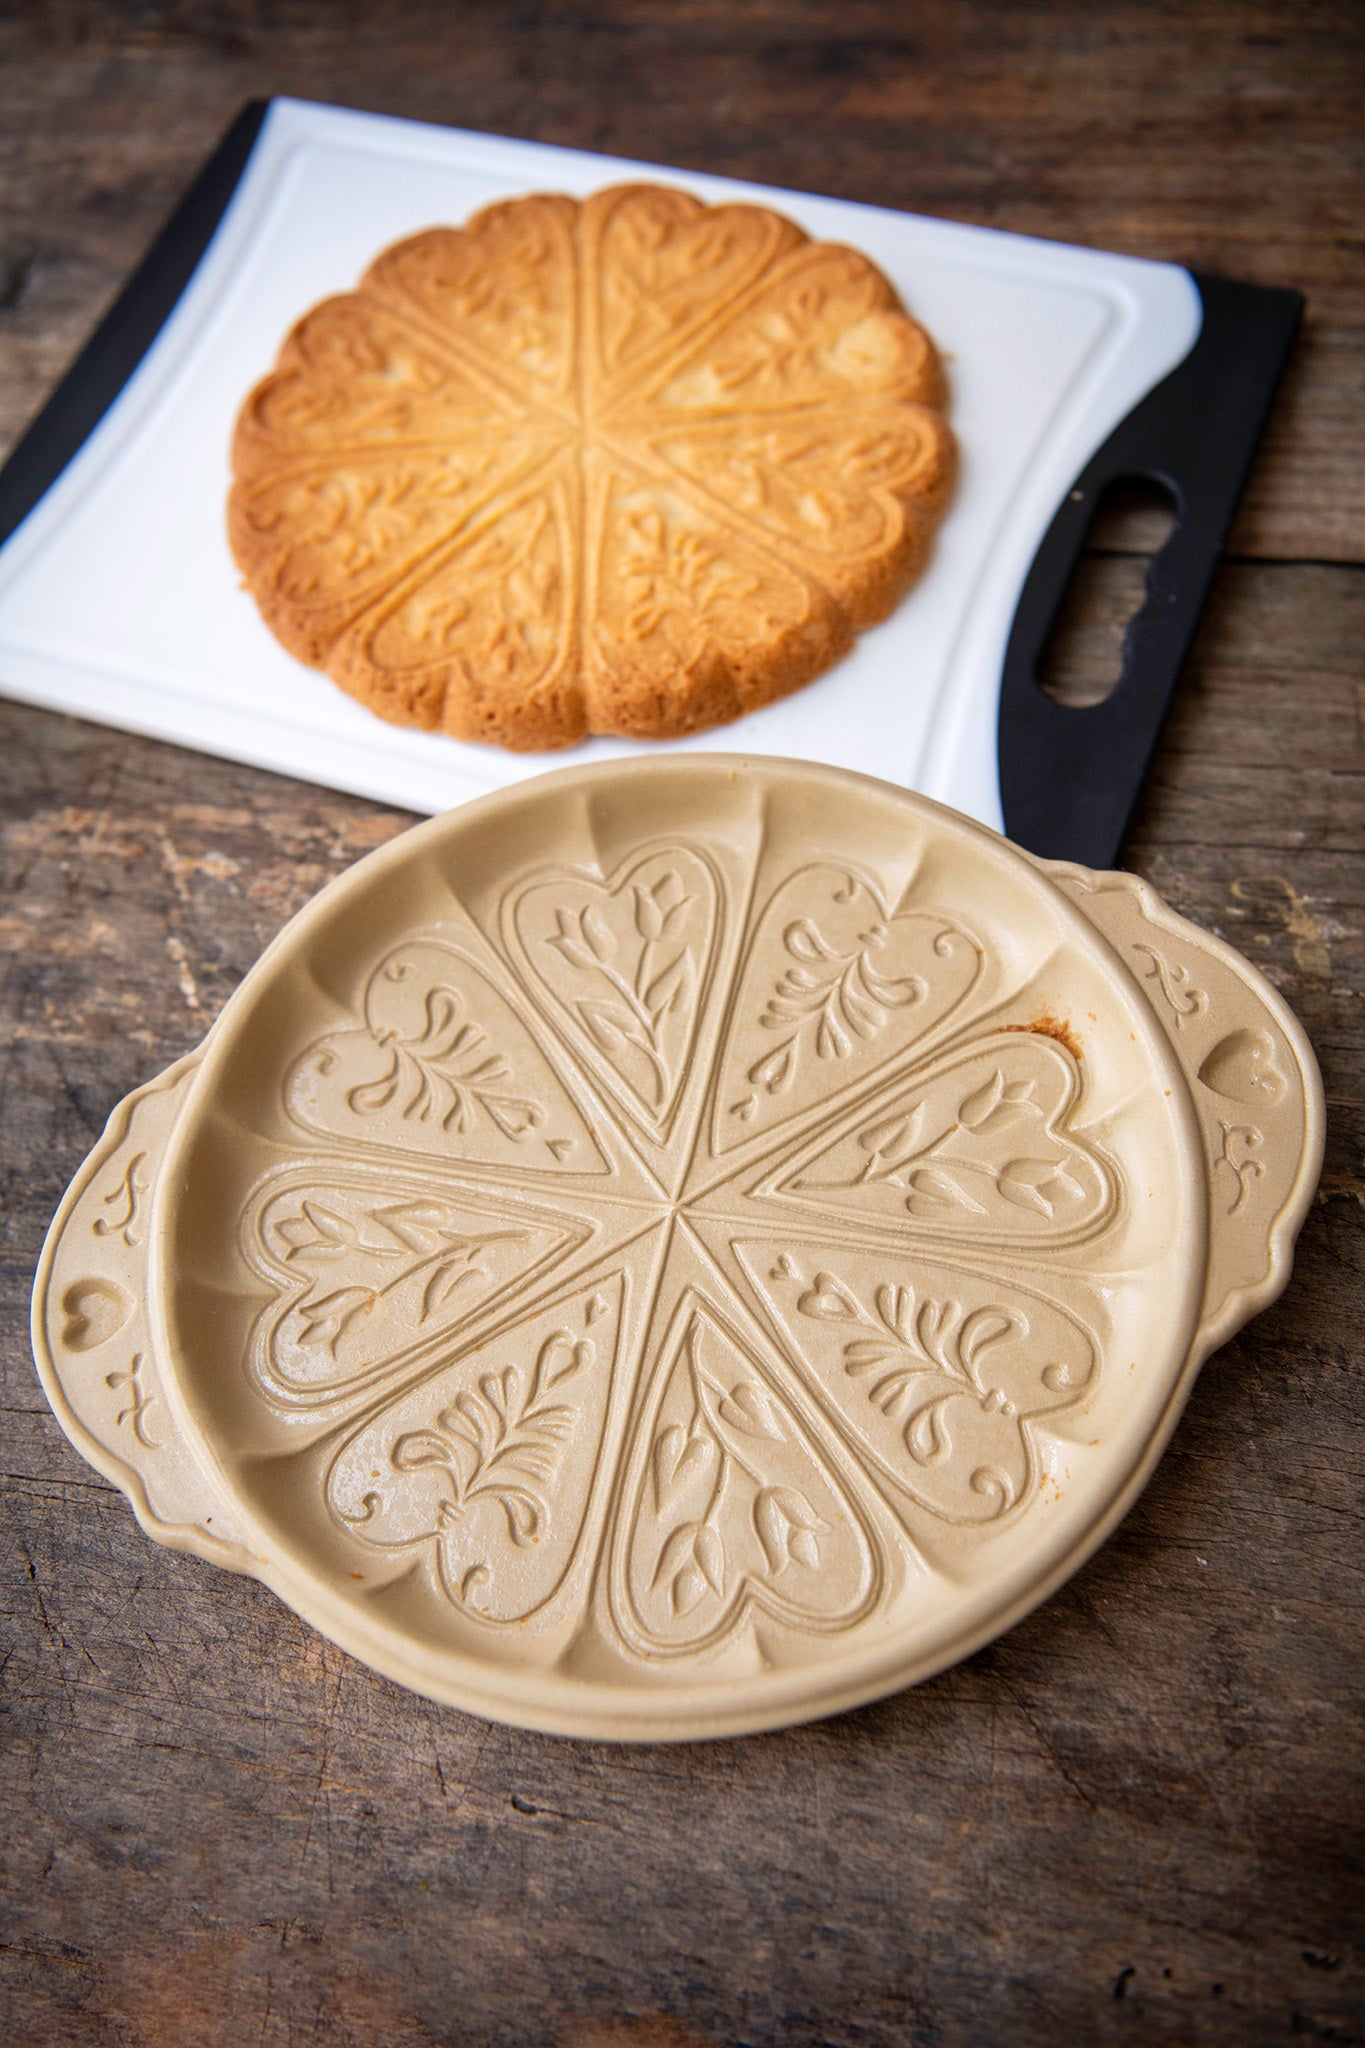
128, 329
1069, 778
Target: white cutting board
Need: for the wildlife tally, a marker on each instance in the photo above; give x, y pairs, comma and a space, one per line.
119, 599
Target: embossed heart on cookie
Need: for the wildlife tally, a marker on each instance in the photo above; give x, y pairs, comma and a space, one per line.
662, 264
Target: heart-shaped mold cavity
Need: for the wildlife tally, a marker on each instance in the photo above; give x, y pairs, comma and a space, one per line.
1242, 1067
93, 1311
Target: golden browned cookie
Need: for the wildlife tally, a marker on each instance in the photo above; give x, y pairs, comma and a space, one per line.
631, 465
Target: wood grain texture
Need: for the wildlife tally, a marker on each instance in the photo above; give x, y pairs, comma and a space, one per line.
1137, 1817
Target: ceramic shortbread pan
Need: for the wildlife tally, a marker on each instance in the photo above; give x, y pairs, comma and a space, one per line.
683, 1245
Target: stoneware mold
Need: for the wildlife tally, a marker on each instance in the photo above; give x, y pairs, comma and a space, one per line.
681, 1246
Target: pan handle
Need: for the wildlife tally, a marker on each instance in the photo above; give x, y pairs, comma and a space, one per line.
1253, 1082
1070, 777
92, 1334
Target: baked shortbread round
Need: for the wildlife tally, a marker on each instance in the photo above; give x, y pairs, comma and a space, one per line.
628, 465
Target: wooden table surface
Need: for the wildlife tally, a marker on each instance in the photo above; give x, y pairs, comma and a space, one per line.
1137, 1818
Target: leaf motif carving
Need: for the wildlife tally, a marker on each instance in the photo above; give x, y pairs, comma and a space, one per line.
748, 1409
624, 963
940, 1380
419, 1262
668, 987
830, 994
926, 1433
732, 1509
443, 1067
489, 1471
942, 1153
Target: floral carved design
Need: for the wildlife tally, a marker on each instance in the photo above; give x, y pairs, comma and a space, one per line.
365, 1273
444, 1065
122, 1203
936, 1379
1240, 1146
834, 982
489, 1462
1173, 979
629, 1257
448, 1074
732, 1506
625, 964
131, 1389
976, 1145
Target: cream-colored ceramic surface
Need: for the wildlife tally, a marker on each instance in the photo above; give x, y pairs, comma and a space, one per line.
689, 1245
90, 1338
1253, 1079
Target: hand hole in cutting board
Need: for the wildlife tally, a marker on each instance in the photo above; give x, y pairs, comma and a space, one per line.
1082, 659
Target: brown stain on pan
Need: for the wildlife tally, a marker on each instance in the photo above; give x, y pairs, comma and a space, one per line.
1048, 1026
